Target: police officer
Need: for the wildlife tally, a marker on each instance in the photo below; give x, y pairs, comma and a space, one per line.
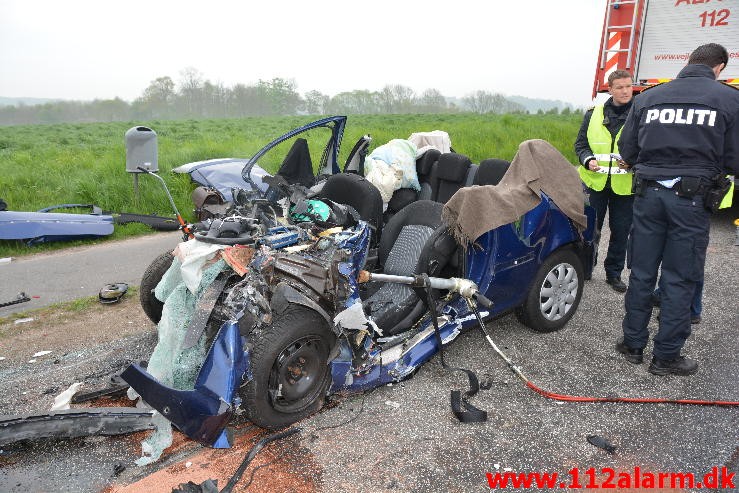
608, 186
682, 138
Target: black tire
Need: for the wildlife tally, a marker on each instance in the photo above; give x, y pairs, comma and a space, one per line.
298, 341
153, 274
555, 293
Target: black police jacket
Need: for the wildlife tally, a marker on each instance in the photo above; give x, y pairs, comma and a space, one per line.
686, 127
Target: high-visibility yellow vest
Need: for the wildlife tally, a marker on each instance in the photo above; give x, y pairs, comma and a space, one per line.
726, 201
603, 144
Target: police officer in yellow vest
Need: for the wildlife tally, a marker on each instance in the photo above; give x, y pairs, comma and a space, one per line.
608, 185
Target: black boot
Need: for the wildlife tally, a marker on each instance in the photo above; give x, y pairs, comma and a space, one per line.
617, 284
634, 356
676, 366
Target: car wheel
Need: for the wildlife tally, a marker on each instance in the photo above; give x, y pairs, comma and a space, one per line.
289, 364
153, 274
554, 294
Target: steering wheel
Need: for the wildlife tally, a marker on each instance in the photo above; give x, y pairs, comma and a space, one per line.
231, 230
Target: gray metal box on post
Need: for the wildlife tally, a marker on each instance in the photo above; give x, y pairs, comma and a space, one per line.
141, 151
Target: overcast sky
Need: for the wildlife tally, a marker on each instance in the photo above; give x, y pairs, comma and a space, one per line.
87, 49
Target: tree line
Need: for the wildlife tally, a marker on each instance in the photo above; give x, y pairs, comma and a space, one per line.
196, 97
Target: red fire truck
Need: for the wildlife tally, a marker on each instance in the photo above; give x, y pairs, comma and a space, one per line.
652, 39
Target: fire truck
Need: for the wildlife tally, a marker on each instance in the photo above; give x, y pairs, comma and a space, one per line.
652, 39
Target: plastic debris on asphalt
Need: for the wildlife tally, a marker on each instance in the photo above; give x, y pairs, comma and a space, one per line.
62, 401
601, 442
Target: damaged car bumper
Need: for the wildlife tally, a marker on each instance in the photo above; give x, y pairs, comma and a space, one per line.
202, 413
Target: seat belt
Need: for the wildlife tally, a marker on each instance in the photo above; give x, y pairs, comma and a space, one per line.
462, 409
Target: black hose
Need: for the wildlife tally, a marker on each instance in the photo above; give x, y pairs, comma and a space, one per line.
252, 453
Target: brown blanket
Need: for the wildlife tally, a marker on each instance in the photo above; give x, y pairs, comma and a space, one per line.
537, 167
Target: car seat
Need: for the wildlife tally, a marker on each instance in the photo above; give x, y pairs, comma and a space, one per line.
414, 242
297, 166
448, 175
424, 166
357, 192
404, 196
490, 172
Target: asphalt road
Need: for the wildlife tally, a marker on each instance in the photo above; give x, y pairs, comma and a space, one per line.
404, 437
66, 275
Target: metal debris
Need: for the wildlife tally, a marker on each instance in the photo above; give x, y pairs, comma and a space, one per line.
72, 423
601, 442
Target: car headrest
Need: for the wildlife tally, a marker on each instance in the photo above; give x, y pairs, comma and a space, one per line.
426, 161
491, 171
452, 167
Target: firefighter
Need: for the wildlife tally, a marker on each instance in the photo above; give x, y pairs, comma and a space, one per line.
607, 185
682, 138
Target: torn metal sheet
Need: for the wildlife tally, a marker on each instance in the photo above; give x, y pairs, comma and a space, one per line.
354, 318
201, 413
73, 423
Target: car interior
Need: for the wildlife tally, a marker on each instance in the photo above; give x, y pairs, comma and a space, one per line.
409, 238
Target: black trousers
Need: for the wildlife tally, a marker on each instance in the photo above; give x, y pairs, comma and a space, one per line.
673, 231
619, 221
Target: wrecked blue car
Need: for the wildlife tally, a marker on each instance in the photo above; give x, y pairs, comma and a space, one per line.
343, 296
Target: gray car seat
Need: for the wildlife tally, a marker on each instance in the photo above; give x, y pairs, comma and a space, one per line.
414, 241
448, 175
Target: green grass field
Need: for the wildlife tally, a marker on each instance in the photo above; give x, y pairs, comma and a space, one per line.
44, 165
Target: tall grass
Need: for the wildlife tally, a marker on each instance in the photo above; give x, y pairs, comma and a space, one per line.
43, 165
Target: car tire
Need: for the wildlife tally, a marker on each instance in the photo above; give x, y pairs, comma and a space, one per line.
152, 275
298, 342
554, 294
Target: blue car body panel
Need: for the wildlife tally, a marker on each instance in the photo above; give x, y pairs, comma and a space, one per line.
41, 227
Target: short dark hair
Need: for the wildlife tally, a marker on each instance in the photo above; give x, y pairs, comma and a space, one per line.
710, 54
618, 74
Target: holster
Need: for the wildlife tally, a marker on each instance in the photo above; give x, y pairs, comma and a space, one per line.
638, 185
690, 186
715, 193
